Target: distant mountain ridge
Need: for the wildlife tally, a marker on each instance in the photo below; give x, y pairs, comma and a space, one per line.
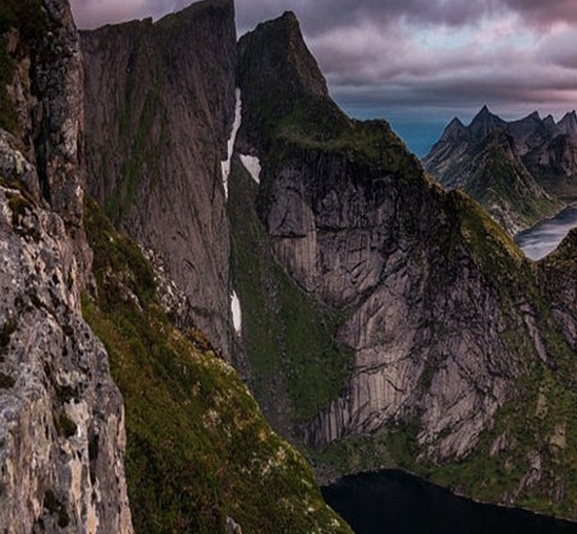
520, 171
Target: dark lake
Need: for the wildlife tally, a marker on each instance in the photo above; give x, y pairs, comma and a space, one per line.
544, 237
395, 502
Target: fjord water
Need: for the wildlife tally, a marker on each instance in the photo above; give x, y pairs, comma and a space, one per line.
395, 502
545, 237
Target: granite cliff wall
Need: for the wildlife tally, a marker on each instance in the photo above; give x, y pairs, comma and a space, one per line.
161, 101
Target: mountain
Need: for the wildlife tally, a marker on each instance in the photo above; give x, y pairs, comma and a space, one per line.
450, 335
185, 448
378, 319
160, 101
487, 159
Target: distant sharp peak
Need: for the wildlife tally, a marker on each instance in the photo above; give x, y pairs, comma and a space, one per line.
455, 123
549, 121
454, 131
484, 123
568, 124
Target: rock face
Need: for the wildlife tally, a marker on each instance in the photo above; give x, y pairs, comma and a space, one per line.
61, 417
47, 90
488, 160
159, 110
336, 221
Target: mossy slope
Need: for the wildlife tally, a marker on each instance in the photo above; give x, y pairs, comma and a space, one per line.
198, 448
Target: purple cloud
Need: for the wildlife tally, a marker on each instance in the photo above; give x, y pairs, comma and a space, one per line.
417, 56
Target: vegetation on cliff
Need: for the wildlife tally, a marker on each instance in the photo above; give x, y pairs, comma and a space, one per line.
198, 449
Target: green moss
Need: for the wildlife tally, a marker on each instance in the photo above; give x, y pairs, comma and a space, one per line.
198, 448
65, 426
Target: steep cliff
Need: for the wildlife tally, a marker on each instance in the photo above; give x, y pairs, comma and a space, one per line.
442, 312
61, 416
160, 106
485, 159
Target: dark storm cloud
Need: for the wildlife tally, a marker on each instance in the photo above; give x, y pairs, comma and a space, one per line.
321, 15
416, 55
543, 13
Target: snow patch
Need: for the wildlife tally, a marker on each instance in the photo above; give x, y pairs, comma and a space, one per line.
252, 165
230, 146
236, 313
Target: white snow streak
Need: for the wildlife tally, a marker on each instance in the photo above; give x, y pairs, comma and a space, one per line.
232, 139
236, 313
252, 165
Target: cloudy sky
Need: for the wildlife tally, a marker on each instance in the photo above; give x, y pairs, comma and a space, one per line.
418, 63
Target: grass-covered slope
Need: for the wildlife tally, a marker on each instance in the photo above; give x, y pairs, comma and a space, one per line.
198, 449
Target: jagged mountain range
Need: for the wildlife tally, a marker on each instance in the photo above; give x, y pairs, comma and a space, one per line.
377, 319
521, 172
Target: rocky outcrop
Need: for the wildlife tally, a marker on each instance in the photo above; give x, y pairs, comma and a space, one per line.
46, 91
61, 417
486, 160
159, 110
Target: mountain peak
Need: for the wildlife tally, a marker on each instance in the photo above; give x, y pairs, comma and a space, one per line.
453, 131
568, 124
484, 123
549, 121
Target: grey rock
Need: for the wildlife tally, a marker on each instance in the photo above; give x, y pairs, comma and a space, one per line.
58, 122
375, 236
61, 417
160, 102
